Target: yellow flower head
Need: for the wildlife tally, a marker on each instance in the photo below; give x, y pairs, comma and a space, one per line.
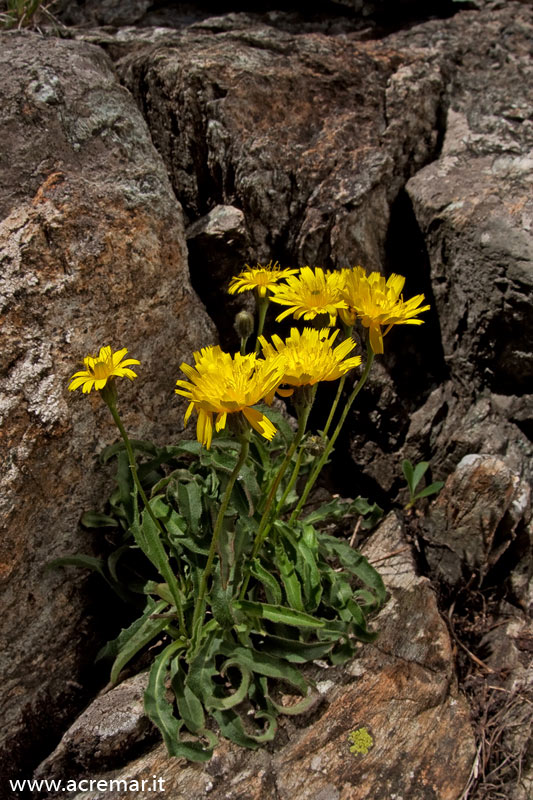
222, 384
309, 357
311, 293
262, 279
99, 369
378, 302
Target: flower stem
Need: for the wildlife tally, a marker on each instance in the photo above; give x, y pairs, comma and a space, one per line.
329, 447
334, 406
262, 306
265, 524
292, 481
157, 553
199, 606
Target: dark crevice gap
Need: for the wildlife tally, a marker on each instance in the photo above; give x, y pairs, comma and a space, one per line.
415, 358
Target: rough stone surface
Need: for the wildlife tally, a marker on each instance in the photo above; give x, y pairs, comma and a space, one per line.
402, 689
475, 519
303, 133
109, 731
92, 251
474, 206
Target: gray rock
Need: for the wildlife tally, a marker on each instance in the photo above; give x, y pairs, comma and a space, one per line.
112, 729
475, 519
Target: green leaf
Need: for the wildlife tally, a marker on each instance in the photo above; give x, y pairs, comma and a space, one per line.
135, 643
161, 712
221, 603
189, 706
419, 473
190, 504
356, 563
279, 420
433, 488
148, 537
223, 703
86, 562
310, 575
232, 728
202, 667
289, 578
294, 651
270, 584
265, 664
93, 519
138, 444
280, 614
407, 469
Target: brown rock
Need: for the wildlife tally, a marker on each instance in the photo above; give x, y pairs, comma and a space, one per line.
93, 252
300, 132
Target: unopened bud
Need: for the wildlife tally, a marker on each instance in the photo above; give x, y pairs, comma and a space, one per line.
314, 445
244, 324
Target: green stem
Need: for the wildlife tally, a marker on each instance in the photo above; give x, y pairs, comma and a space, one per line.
329, 447
155, 542
347, 332
199, 606
262, 306
264, 525
334, 406
292, 481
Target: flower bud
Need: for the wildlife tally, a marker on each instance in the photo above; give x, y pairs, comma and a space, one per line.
244, 324
314, 445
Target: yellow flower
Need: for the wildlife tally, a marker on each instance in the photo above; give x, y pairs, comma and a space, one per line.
311, 293
378, 302
309, 357
222, 384
262, 279
99, 369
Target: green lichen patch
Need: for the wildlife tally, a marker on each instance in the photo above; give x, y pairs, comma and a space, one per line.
361, 741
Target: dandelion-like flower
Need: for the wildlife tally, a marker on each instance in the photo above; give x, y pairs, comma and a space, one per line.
101, 368
378, 303
221, 384
311, 293
262, 279
309, 357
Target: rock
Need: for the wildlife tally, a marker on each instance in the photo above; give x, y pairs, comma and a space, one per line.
104, 12
393, 723
112, 729
313, 187
474, 205
93, 252
474, 520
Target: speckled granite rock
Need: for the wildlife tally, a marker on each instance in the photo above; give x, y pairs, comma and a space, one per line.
93, 252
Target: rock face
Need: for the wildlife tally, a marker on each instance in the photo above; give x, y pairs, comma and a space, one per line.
386, 724
303, 133
93, 252
474, 520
